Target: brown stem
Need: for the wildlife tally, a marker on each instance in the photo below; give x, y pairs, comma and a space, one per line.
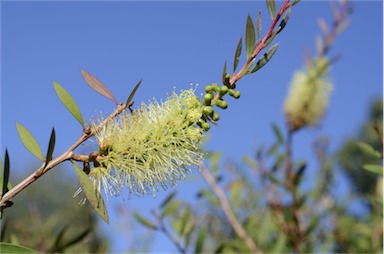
330, 37
262, 44
60, 159
228, 210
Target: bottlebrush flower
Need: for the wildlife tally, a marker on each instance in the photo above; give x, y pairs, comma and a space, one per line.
152, 147
308, 96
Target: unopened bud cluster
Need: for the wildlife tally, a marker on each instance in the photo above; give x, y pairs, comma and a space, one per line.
214, 97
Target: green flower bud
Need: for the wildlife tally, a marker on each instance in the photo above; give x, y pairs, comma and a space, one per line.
222, 104
216, 87
208, 98
226, 79
206, 126
236, 95
231, 92
208, 89
223, 90
215, 116
208, 110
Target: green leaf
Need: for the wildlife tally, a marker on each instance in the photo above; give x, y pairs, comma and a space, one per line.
68, 102
5, 175
97, 85
258, 24
237, 53
224, 72
273, 149
29, 141
295, 2
323, 26
58, 239
250, 162
186, 219
271, 8
171, 208
250, 37
377, 169
278, 134
60, 247
14, 248
144, 221
200, 240
265, 58
368, 150
51, 147
168, 199
93, 195
284, 21
132, 94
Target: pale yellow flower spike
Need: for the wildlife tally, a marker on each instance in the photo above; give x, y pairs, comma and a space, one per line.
152, 147
308, 96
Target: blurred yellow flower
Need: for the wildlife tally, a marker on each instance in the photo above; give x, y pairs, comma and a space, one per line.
308, 95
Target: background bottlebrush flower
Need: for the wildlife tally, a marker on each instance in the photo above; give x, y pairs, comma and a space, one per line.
308, 96
152, 147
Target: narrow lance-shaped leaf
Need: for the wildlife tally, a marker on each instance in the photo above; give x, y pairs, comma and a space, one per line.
278, 134
323, 26
284, 21
58, 240
14, 248
5, 175
377, 169
51, 147
237, 54
224, 72
295, 2
271, 8
258, 24
168, 199
96, 85
68, 102
265, 58
368, 150
132, 94
250, 162
93, 195
186, 219
29, 141
200, 240
171, 208
144, 221
77, 238
250, 37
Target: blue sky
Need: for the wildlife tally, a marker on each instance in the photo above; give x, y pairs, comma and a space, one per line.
173, 44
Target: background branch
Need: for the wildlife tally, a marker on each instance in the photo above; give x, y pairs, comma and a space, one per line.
228, 210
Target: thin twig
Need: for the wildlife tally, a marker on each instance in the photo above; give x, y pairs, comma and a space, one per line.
262, 43
161, 226
58, 160
228, 210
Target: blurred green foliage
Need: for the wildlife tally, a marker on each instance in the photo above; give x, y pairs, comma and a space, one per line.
281, 212
47, 219
351, 158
